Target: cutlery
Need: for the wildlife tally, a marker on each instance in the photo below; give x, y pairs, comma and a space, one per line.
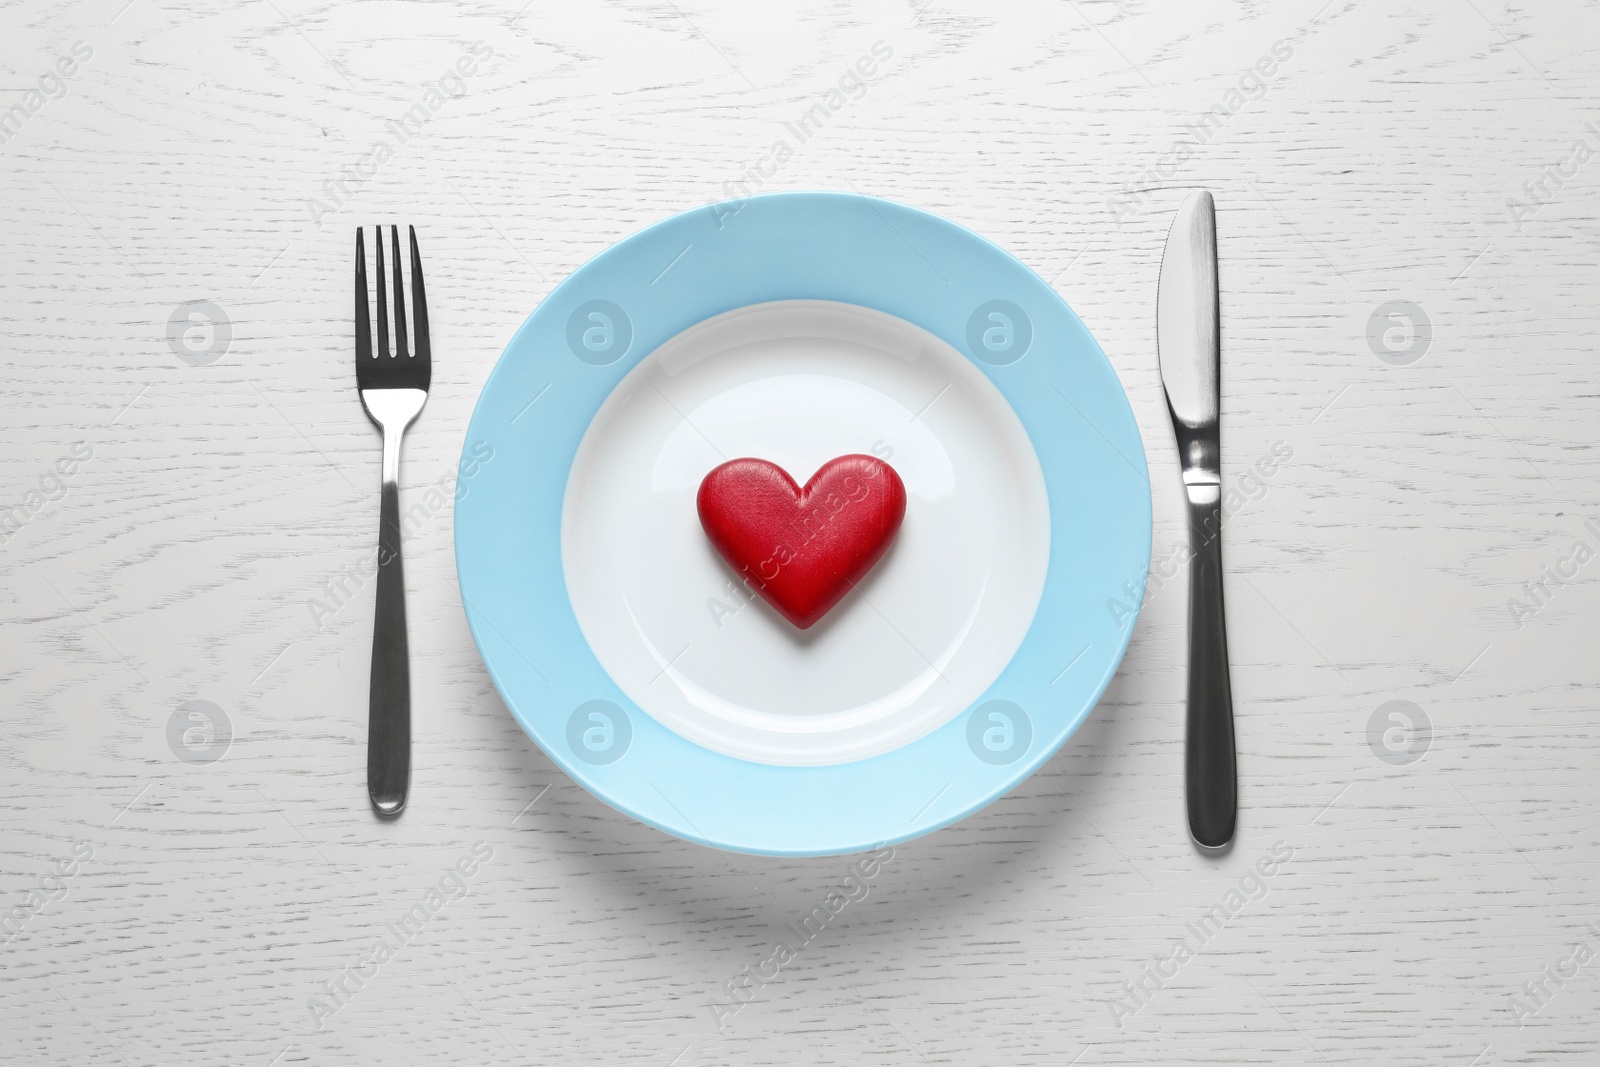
1188, 338
393, 388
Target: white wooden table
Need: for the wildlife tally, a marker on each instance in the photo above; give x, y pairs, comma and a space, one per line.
224, 907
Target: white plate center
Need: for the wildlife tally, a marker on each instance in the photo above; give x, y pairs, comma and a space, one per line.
798, 383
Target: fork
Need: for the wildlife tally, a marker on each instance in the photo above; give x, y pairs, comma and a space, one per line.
393, 389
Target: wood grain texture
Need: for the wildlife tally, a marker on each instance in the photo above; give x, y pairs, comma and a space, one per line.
1376, 564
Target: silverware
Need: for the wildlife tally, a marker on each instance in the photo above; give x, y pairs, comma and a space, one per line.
393, 389
1188, 338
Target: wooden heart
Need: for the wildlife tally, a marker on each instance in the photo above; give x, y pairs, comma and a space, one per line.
802, 549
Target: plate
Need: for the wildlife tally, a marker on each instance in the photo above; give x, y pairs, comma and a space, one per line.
797, 327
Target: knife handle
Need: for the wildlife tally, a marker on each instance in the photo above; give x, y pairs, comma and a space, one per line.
1211, 781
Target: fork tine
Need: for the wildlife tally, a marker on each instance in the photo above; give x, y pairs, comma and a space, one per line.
363, 308
419, 300
399, 297
383, 301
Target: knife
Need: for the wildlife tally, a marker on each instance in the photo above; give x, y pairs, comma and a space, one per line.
1188, 338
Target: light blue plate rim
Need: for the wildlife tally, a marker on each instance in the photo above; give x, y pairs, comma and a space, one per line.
564, 361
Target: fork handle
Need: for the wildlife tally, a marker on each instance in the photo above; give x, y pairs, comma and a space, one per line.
1211, 780
389, 711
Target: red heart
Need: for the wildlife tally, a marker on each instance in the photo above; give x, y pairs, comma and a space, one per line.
802, 549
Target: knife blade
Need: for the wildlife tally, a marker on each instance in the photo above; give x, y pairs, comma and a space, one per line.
1188, 341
